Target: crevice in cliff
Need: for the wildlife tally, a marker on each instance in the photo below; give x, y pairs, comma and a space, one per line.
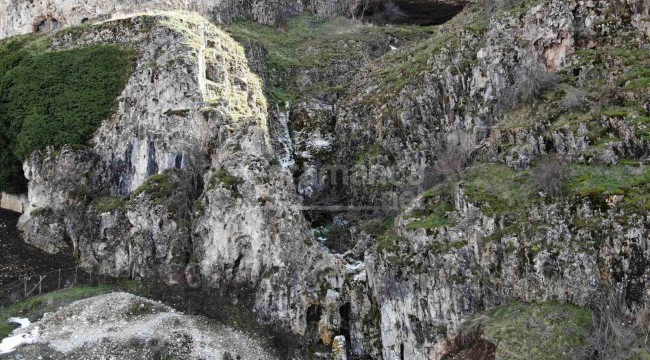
345, 312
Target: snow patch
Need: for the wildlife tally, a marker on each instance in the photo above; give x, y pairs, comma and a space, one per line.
10, 343
23, 322
356, 266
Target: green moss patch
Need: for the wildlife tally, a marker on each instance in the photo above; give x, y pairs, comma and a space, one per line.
228, 181
159, 187
53, 98
539, 331
498, 188
109, 204
598, 182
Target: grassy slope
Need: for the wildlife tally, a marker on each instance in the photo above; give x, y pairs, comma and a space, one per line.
311, 43
535, 331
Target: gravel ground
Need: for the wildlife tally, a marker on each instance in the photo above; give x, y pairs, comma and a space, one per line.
18, 258
125, 326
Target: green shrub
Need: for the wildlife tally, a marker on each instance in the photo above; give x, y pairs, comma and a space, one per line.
228, 181
53, 98
158, 186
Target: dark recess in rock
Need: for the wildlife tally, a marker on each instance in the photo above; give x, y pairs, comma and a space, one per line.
427, 12
415, 12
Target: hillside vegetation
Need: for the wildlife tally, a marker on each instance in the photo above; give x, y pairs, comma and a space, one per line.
53, 98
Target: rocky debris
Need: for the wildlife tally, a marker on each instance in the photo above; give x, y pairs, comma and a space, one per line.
124, 326
339, 350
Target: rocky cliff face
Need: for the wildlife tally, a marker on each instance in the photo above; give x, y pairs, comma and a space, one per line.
227, 165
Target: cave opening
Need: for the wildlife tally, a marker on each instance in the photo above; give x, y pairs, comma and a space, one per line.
409, 12
345, 312
314, 314
45, 24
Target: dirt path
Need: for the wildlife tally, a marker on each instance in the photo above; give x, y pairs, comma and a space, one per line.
18, 258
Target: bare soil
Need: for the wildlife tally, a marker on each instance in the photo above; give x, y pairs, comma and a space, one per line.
18, 258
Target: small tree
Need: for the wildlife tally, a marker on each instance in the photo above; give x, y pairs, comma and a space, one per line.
550, 175
574, 99
455, 156
530, 83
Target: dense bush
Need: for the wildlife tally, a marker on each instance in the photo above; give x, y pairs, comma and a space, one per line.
53, 98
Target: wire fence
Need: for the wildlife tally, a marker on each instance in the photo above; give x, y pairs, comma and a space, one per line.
33, 285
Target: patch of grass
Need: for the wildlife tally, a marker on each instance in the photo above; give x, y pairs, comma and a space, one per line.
498, 188
434, 215
636, 78
599, 181
538, 331
53, 98
228, 181
310, 42
159, 187
109, 204
432, 221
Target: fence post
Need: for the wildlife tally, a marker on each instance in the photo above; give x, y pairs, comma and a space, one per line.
40, 284
25, 287
75, 275
59, 288
91, 276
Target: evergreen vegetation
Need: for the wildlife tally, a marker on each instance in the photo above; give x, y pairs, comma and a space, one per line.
53, 98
